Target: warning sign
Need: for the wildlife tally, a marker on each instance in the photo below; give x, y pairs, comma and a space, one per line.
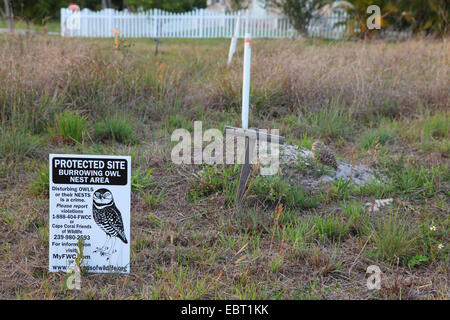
90, 199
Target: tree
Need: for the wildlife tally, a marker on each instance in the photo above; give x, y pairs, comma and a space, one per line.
298, 12
236, 5
106, 4
428, 16
168, 5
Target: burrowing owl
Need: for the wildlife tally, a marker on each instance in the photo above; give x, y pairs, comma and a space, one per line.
323, 154
108, 218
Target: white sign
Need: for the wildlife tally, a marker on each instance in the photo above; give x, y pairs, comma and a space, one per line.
90, 199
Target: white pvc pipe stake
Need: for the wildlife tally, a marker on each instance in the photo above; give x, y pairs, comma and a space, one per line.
246, 80
234, 39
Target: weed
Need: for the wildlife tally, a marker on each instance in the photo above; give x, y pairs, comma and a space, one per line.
276, 264
187, 286
431, 132
252, 220
153, 198
340, 188
416, 260
139, 181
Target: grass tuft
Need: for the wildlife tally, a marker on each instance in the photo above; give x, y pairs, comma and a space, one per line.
394, 238
15, 143
72, 127
115, 128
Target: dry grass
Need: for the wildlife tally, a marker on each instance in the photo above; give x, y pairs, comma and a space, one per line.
193, 243
383, 78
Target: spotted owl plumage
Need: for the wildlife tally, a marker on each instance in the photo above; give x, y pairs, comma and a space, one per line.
323, 154
106, 214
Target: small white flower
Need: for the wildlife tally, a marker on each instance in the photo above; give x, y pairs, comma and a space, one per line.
440, 246
433, 228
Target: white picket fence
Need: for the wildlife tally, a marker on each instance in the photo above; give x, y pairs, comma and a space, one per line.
194, 24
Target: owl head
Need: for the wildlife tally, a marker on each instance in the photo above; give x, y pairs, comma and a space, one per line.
318, 145
103, 197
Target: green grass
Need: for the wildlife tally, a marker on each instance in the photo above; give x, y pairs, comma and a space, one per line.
117, 128
15, 143
154, 198
376, 188
214, 180
40, 180
435, 127
416, 182
394, 238
334, 227
430, 132
300, 232
200, 246
375, 137
51, 26
356, 217
275, 189
329, 122
72, 127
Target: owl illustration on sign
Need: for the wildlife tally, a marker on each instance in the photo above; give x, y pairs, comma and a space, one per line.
109, 219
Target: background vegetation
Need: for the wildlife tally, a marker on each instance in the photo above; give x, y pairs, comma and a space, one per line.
385, 105
418, 16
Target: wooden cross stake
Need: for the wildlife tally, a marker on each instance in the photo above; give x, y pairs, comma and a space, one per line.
116, 38
251, 136
157, 41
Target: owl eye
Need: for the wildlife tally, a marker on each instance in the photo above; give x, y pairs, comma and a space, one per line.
107, 195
